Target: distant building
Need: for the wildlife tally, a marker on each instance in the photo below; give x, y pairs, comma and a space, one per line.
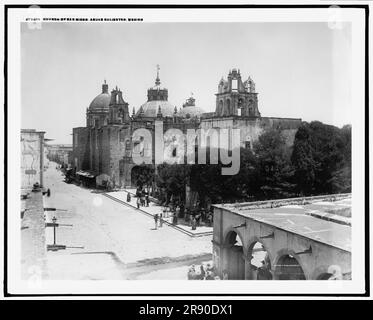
60, 153
106, 144
32, 158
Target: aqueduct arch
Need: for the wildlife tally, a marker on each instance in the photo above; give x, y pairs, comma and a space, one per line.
234, 256
291, 242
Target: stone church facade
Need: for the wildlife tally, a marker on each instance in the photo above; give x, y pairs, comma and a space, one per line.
103, 149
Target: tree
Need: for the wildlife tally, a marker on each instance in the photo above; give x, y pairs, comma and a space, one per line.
322, 159
143, 175
273, 166
303, 161
172, 179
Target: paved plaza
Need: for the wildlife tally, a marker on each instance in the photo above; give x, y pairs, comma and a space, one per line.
109, 240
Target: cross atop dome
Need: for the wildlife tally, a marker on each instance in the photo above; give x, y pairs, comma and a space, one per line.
157, 80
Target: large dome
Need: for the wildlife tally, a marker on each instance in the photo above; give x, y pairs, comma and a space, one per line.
101, 102
190, 112
150, 109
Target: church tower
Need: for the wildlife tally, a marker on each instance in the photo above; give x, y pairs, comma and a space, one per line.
236, 97
118, 108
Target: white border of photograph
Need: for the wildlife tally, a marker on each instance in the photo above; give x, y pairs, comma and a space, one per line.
356, 285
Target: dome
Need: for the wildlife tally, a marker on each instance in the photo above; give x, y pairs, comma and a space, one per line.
150, 109
190, 112
100, 103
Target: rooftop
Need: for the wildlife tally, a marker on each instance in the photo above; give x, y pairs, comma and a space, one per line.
323, 219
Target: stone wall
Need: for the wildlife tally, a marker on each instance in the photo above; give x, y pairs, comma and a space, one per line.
33, 246
81, 148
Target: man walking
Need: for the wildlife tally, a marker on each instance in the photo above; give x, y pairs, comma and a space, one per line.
147, 199
161, 221
156, 221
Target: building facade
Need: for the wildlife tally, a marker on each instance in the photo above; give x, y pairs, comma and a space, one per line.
60, 153
106, 145
32, 158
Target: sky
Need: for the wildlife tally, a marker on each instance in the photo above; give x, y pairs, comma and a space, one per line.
301, 70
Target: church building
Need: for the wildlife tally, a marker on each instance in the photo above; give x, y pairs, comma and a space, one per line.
103, 149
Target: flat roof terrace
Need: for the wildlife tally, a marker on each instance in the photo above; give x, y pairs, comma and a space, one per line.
325, 219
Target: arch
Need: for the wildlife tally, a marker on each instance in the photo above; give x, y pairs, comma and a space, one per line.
233, 257
257, 252
332, 272
228, 233
288, 266
324, 276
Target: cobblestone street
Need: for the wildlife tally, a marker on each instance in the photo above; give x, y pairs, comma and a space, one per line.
109, 240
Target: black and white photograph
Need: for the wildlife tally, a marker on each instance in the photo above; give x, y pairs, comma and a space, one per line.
152, 149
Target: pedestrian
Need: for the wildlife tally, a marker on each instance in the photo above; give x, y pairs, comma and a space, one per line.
209, 220
194, 223
209, 275
177, 211
191, 273
225, 274
49, 192
156, 221
263, 272
165, 212
128, 197
174, 219
210, 267
147, 199
160, 221
182, 210
138, 203
198, 219
142, 199
203, 272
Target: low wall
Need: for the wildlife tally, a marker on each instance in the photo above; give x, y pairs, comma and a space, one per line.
289, 201
33, 245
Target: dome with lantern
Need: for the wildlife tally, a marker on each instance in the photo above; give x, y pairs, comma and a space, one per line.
190, 110
157, 102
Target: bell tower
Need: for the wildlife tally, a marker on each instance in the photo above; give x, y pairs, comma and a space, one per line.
118, 108
236, 97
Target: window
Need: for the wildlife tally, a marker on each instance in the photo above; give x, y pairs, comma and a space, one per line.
234, 85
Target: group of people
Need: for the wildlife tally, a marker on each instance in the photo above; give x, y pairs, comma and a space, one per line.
203, 272
159, 218
142, 198
196, 218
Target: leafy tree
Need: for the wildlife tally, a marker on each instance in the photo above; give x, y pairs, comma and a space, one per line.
172, 180
303, 161
143, 175
322, 159
273, 165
